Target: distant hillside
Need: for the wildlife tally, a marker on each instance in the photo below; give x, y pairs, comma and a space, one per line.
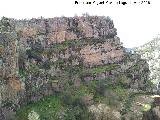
151, 52
129, 50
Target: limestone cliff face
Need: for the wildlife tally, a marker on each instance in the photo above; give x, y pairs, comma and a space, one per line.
58, 30
43, 56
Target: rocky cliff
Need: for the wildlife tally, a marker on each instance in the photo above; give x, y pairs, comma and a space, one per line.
43, 57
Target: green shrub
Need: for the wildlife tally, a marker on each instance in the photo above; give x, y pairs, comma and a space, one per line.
100, 69
121, 92
146, 107
33, 54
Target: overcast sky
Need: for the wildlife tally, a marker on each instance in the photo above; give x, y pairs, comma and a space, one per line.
136, 23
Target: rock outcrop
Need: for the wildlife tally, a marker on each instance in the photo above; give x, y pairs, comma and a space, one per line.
41, 57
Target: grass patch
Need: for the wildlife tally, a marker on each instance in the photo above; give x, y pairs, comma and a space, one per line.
100, 69
46, 108
121, 92
64, 45
82, 91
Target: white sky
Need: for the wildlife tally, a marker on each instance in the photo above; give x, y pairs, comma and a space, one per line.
136, 24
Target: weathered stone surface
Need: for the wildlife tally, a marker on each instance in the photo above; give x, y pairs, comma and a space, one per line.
10, 55
102, 111
61, 29
104, 53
